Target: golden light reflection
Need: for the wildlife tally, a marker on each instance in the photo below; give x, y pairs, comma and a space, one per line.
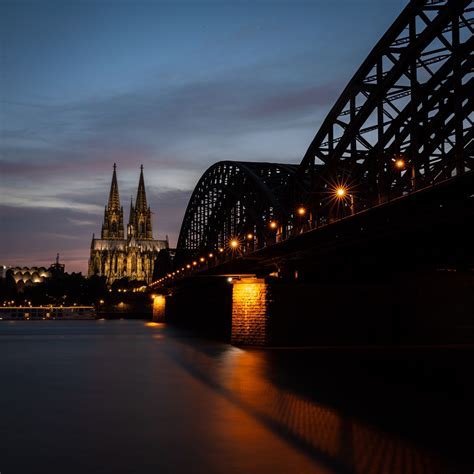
153, 325
242, 376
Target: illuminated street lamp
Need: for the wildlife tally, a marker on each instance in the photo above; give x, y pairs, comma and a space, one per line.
400, 164
221, 250
301, 211
211, 255
342, 193
249, 236
188, 266
234, 243
273, 225
202, 259
194, 263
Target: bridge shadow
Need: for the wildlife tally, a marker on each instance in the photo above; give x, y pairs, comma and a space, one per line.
354, 410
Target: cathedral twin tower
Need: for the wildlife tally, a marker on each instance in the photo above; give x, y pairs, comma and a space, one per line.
115, 255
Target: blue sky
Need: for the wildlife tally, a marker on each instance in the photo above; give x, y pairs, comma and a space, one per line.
174, 86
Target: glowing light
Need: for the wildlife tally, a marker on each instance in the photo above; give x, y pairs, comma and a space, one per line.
202, 259
221, 250
101, 301
229, 279
152, 325
195, 263
400, 163
249, 236
211, 255
301, 211
159, 304
273, 225
234, 243
188, 266
341, 191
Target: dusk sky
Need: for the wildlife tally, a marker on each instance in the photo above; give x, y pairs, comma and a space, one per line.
175, 86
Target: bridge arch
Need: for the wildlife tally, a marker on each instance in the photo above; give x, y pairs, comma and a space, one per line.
232, 200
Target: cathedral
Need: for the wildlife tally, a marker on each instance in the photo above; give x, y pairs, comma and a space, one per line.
115, 255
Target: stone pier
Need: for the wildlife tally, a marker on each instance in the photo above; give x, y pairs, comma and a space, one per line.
250, 301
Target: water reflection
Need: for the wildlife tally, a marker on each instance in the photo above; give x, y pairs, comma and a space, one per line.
341, 442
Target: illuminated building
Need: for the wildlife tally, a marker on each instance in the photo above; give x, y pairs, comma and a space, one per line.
115, 255
28, 276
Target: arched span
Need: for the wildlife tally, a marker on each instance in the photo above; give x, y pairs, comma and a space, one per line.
234, 199
405, 119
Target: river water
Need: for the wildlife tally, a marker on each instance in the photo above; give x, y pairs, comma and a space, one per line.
138, 397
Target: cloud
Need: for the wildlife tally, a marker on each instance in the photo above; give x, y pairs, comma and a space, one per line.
80, 222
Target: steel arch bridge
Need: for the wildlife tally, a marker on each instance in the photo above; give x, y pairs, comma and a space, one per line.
235, 199
404, 122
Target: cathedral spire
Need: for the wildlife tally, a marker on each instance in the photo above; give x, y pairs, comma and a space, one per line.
142, 213
114, 198
140, 202
112, 228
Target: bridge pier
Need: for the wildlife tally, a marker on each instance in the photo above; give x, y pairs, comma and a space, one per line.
159, 308
250, 311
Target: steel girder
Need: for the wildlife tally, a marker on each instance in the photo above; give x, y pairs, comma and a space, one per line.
233, 199
411, 100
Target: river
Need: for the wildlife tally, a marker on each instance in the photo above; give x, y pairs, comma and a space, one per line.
139, 397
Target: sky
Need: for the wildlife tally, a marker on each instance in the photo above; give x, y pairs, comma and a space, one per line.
173, 85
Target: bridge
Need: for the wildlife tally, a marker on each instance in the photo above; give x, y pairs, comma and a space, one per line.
359, 241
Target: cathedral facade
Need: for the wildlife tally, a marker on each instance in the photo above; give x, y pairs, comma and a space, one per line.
132, 255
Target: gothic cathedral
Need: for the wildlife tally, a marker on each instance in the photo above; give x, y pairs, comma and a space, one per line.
115, 256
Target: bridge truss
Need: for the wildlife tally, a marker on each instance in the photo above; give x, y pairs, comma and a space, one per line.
235, 200
404, 122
